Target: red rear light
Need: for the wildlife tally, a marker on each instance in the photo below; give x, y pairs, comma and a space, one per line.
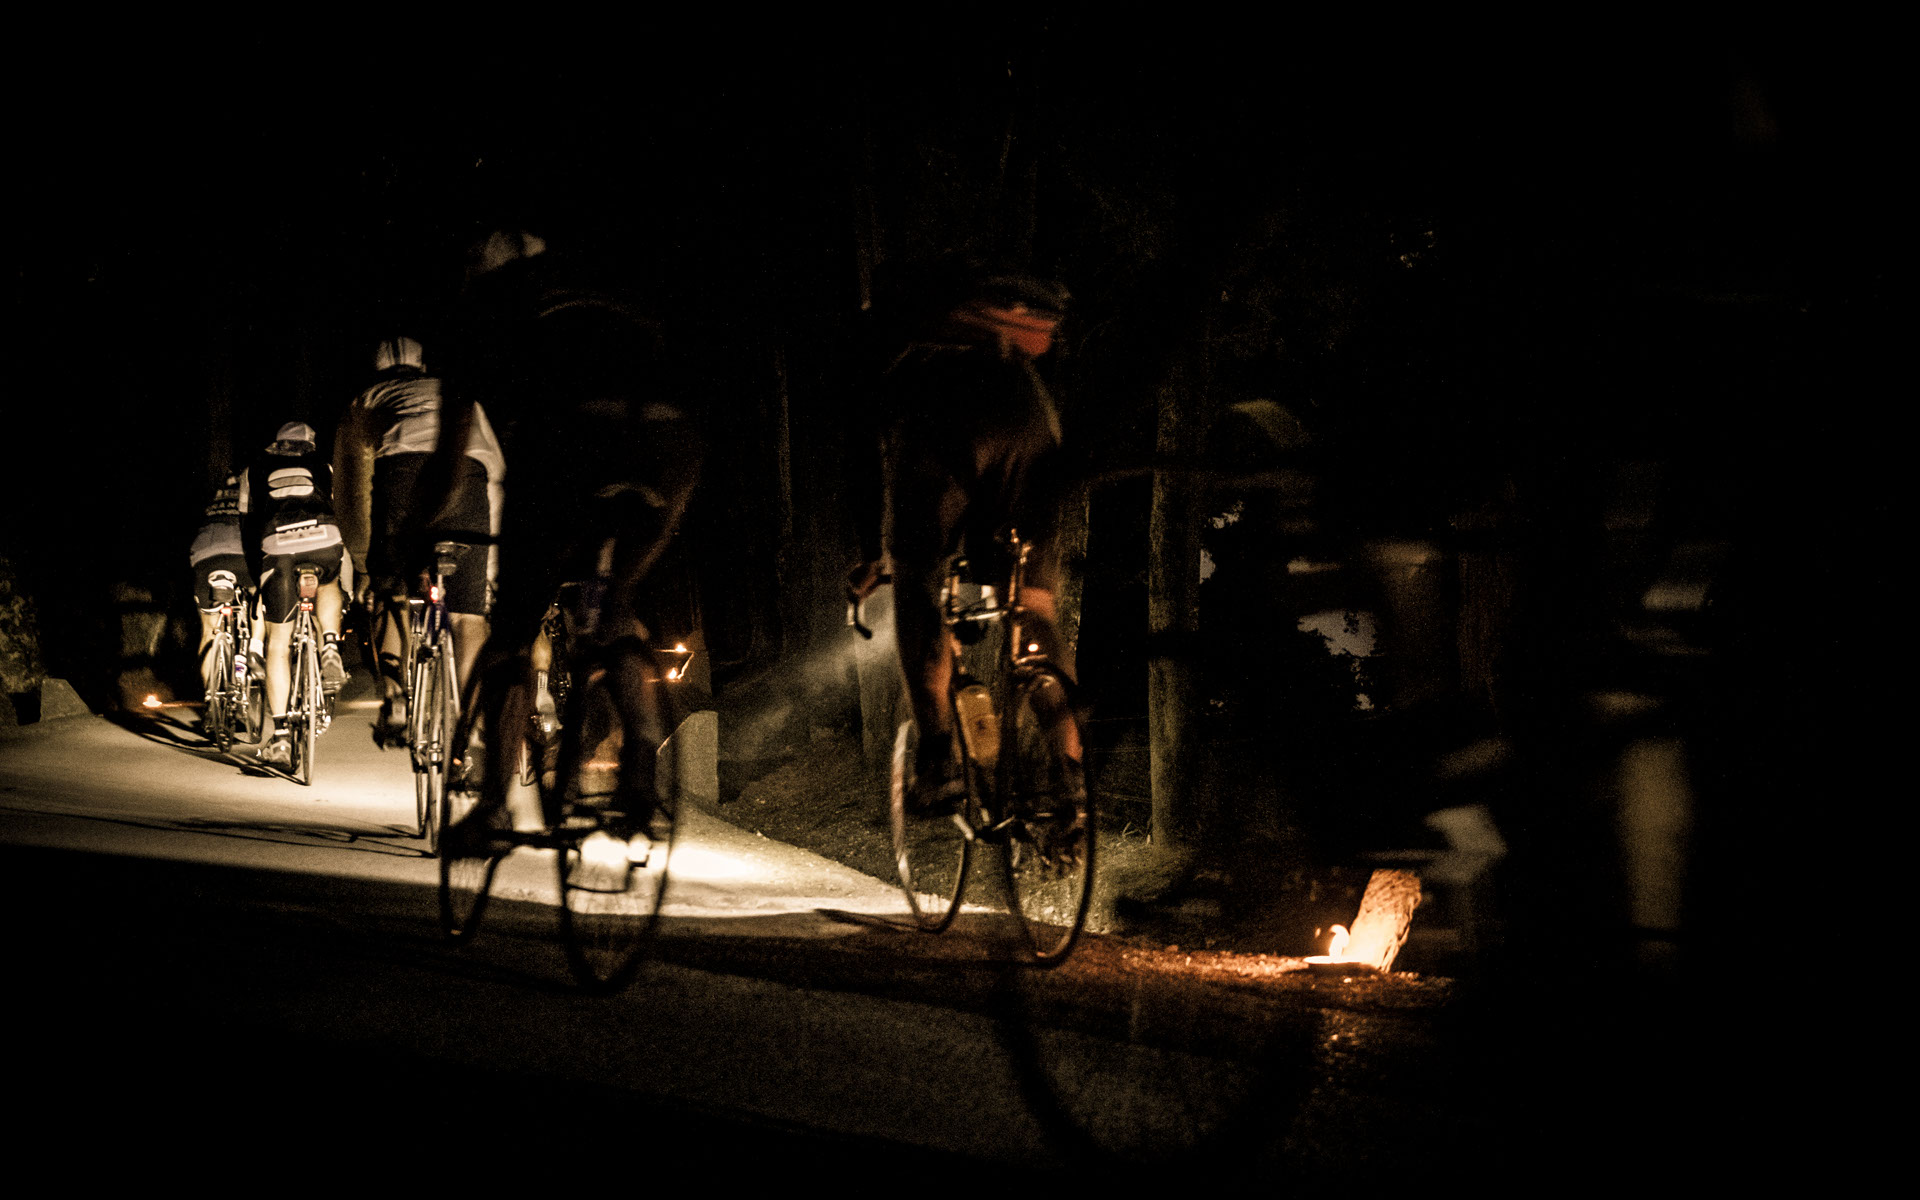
433, 593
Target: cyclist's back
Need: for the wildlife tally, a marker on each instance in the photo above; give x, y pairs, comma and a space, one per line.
571, 377
971, 447
603, 457
286, 506
218, 560
386, 440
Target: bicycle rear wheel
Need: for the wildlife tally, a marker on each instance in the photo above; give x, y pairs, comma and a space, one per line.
303, 711
1049, 855
611, 860
930, 851
220, 715
437, 699
253, 708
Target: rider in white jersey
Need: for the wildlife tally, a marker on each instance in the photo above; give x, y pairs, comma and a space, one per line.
385, 439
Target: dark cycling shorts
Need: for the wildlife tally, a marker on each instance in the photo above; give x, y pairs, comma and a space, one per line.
206, 568
574, 491
280, 582
398, 551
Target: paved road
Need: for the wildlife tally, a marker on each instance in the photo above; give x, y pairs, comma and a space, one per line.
204, 948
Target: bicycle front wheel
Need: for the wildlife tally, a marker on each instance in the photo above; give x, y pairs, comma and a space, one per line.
1049, 854
930, 850
611, 857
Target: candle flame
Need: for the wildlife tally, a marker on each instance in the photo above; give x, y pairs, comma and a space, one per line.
1337, 947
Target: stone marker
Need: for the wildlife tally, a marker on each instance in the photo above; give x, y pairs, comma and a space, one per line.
1386, 913
689, 760
58, 699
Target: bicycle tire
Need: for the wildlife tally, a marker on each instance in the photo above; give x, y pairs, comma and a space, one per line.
253, 709
610, 905
467, 866
930, 852
1048, 858
305, 718
218, 723
439, 700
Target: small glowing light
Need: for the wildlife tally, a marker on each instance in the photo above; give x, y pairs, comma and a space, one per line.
673, 674
1336, 956
605, 853
151, 702
1033, 647
679, 649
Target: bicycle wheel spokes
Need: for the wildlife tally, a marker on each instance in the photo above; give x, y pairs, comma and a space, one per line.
1049, 855
468, 859
613, 882
220, 709
300, 714
930, 851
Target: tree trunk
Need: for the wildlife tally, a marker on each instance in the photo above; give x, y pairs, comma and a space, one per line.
1173, 623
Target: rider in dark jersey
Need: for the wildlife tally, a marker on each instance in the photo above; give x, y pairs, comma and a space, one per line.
286, 511
604, 463
385, 439
970, 448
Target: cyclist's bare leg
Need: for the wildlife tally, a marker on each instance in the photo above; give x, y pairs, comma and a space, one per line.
1039, 631
279, 665
508, 700
390, 637
469, 636
926, 659
639, 695
328, 604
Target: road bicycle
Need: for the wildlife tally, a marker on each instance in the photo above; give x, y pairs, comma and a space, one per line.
611, 848
433, 703
309, 712
1017, 758
237, 703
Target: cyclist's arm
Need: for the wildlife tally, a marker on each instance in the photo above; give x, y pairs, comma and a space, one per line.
437, 479
353, 454
681, 450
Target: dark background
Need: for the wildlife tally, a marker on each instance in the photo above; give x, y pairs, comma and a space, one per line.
1492, 271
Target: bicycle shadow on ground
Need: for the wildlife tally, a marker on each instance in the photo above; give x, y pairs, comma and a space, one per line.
281, 832
166, 729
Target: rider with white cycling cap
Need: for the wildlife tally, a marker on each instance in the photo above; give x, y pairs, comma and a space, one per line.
286, 509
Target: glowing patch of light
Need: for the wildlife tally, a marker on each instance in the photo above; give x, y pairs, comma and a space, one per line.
695, 861
151, 702
1336, 949
604, 852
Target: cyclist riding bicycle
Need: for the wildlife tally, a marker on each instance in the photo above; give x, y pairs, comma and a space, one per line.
970, 446
604, 466
286, 510
385, 439
218, 560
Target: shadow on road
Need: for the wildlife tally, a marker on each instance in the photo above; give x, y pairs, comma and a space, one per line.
282, 833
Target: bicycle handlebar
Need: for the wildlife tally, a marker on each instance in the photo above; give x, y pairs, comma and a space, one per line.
854, 602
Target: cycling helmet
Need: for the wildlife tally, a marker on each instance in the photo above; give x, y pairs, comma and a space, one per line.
398, 352
295, 437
